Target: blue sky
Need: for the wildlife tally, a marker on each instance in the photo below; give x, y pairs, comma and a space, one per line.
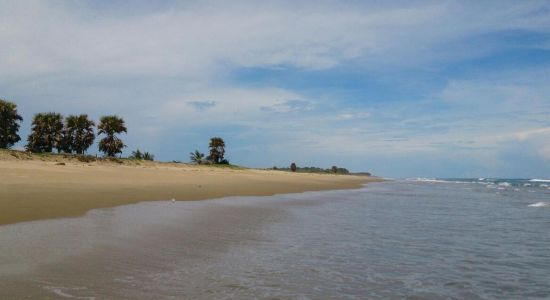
401, 89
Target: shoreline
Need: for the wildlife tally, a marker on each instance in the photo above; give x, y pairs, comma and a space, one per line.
101, 253
56, 186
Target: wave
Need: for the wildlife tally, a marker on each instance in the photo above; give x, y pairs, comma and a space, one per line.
539, 204
539, 180
427, 180
498, 183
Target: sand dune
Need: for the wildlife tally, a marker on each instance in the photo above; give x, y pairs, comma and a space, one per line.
41, 187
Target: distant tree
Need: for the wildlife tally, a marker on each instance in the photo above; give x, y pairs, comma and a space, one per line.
217, 150
9, 124
342, 171
293, 167
78, 134
334, 169
148, 156
196, 157
111, 145
136, 155
47, 133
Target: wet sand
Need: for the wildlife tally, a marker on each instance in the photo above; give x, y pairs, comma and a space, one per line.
161, 250
139, 251
52, 187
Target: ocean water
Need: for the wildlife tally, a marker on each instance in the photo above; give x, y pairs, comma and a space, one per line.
413, 239
492, 182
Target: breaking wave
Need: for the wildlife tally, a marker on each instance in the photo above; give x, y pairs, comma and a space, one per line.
539, 180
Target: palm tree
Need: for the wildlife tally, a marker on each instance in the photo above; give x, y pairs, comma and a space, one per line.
148, 156
217, 150
109, 126
47, 133
9, 124
78, 134
196, 157
136, 155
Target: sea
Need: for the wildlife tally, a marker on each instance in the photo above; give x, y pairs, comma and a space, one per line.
419, 238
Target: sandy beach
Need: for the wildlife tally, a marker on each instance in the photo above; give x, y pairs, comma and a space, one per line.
42, 187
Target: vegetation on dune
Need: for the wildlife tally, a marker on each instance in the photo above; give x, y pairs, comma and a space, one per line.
217, 151
10, 121
46, 133
49, 132
75, 134
216, 156
138, 155
110, 126
332, 170
78, 134
148, 156
228, 166
197, 157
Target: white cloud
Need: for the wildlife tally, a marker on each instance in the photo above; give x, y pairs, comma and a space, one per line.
527, 134
289, 106
48, 38
231, 104
352, 115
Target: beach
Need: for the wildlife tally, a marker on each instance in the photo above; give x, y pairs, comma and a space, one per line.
390, 240
35, 187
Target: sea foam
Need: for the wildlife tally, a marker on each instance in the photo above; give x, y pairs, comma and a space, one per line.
539, 204
427, 180
539, 180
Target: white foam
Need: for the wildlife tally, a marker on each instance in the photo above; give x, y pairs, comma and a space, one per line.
60, 291
539, 180
421, 179
539, 204
504, 184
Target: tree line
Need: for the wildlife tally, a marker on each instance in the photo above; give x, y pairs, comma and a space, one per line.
331, 170
75, 134
51, 131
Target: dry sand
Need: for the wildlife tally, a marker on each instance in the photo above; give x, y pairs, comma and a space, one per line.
36, 187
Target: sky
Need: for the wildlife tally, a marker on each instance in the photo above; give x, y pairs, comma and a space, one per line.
397, 88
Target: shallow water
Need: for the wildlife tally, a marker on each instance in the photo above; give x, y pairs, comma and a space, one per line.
393, 240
